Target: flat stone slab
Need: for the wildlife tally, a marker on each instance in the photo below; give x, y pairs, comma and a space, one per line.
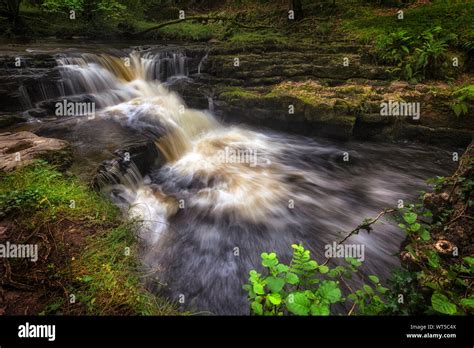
20, 149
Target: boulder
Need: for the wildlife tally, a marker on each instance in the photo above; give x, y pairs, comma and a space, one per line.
19, 149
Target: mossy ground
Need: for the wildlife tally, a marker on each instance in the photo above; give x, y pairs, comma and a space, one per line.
87, 252
368, 22
264, 22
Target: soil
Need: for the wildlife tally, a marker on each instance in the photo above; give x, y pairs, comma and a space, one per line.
27, 289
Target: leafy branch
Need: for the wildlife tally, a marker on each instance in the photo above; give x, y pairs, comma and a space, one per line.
365, 225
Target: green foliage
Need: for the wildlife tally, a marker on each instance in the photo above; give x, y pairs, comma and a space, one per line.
303, 287
462, 96
20, 202
240, 38
413, 227
92, 17
449, 282
404, 282
109, 10
306, 288
368, 22
416, 57
442, 304
395, 47
64, 6
40, 191
107, 277
431, 51
191, 31
104, 10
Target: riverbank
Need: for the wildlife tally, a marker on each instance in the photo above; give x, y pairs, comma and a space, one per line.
88, 260
305, 90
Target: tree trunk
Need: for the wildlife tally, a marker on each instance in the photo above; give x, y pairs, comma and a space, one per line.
298, 9
13, 11
13, 8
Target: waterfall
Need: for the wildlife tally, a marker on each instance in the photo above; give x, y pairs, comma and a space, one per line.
210, 102
165, 64
225, 188
107, 79
201, 62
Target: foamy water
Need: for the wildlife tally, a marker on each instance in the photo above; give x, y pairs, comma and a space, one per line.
228, 193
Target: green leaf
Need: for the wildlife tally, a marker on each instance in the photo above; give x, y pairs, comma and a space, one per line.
329, 290
275, 284
368, 289
323, 269
269, 260
442, 304
257, 308
428, 214
87, 279
352, 297
374, 279
409, 71
410, 217
274, 298
254, 276
433, 259
457, 109
353, 262
269, 263
382, 289
469, 260
310, 265
468, 302
425, 235
320, 309
309, 295
415, 227
292, 278
297, 303
258, 288
282, 268
266, 256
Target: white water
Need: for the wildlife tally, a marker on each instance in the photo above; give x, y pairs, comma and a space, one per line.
198, 208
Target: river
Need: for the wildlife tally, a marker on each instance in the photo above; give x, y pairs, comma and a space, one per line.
226, 192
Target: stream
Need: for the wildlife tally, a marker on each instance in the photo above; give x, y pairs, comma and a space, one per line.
226, 193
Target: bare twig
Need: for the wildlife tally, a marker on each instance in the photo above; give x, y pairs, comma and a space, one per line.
352, 309
458, 216
363, 226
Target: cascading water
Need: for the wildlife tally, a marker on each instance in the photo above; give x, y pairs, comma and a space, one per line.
227, 193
